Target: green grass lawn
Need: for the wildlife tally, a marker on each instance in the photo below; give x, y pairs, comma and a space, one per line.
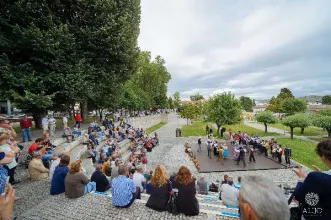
318, 139
198, 128
303, 152
155, 127
309, 131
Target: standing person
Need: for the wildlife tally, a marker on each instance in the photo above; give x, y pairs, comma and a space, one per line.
279, 153
52, 125
241, 156
220, 155
78, 119
251, 154
199, 143
44, 123
187, 203
207, 129
25, 125
65, 121
210, 130
209, 148
287, 154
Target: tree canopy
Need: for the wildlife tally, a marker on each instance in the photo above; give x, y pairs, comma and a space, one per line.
326, 100
323, 120
176, 98
266, 117
196, 97
247, 103
223, 109
290, 106
296, 121
189, 111
275, 103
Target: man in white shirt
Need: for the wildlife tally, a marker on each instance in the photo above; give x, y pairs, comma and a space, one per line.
55, 163
139, 179
65, 122
229, 194
52, 124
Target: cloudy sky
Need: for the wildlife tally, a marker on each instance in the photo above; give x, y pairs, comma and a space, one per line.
249, 47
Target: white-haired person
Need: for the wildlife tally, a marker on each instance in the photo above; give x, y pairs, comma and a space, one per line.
229, 194
260, 199
202, 185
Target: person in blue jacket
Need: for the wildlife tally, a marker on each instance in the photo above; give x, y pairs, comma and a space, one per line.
60, 173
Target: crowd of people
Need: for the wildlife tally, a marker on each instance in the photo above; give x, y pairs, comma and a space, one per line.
256, 197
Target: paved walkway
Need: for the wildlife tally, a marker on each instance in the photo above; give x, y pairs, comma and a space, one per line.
276, 130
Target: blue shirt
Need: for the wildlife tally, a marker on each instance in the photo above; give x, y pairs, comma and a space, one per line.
57, 186
44, 121
238, 185
122, 189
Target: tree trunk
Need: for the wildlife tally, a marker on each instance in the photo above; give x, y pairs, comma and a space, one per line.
73, 110
292, 132
329, 133
83, 108
218, 129
37, 117
265, 127
187, 121
302, 130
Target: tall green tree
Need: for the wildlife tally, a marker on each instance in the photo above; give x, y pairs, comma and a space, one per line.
323, 120
290, 106
266, 117
189, 111
223, 109
171, 103
66, 51
296, 121
196, 97
326, 100
275, 103
176, 100
247, 103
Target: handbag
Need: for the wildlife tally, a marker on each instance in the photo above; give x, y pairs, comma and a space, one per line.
172, 204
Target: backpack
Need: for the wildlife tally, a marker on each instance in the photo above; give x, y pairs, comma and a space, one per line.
213, 187
172, 204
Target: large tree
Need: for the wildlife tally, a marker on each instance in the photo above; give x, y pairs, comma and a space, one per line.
323, 120
196, 97
266, 117
275, 103
223, 109
290, 106
296, 121
326, 100
176, 99
66, 51
189, 111
247, 103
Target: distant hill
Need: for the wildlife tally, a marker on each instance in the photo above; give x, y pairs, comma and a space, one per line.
312, 98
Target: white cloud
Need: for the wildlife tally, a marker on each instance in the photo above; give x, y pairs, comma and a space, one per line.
214, 46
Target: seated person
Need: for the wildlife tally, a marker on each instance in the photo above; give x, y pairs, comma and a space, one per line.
77, 131
47, 156
123, 190
160, 188
60, 173
76, 183
90, 154
67, 133
47, 141
36, 168
139, 179
202, 185
229, 194
37, 143
238, 184
102, 184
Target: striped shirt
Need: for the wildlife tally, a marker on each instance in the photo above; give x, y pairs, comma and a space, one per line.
122, 189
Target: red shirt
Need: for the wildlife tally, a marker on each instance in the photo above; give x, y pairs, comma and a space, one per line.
25, 123
32, 148
78, 118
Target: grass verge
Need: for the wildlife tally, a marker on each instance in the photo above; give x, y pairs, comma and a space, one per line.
155, 127
309, 131
303, 152
198, 128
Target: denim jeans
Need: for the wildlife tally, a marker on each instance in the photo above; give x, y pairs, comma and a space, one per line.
26, 132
